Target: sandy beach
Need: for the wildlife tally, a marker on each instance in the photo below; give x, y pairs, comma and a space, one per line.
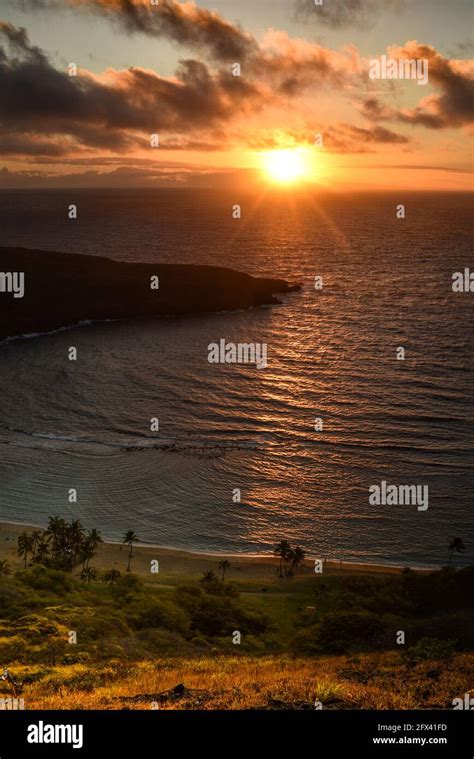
176, 565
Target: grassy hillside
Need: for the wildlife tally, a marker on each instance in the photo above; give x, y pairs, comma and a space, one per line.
368, 681
187, 638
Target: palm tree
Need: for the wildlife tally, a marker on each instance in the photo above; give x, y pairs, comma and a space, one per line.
129, 539
296, 556
75, 538
25, 546
55, 529
42, 550
282, 549
94, 538
208, 578
111, 576
89, 574
35, 537
224, 565
91, 542
455, 545
5, 568
87, 554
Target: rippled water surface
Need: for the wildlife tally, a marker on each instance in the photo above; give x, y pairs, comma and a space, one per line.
331, 353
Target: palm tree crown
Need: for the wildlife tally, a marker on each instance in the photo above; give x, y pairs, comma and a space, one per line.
456, 545
282, 550
129, 539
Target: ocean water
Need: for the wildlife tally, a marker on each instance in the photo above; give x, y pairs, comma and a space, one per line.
331, 354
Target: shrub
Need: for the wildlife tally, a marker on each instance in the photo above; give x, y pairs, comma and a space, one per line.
458, 625
13, 599
342, 632
219, 616
127, 587
464, 582
431, 648
200, 642
14, 649
306, 641
152, 612
161, 641
100, 624
352, 631
226, 589
188, 596
53, 580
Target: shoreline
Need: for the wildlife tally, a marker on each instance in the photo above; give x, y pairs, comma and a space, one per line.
67, 327
10, 530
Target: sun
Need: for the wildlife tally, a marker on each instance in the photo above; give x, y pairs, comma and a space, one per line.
287, 166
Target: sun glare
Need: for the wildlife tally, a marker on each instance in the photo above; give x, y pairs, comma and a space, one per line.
287, 166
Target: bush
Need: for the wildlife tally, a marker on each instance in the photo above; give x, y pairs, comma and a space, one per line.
458, 625
464, 582
152, 612
53, 580
127, 587
100, 624
361, 585
342, 632
218, 588
306, 641
162, 641
353, 631
218, 616
349, 602
188, 596
15, 649
431, 649
437, 590
200, 642
13, 599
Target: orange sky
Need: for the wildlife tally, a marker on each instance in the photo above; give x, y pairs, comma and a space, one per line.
224, 88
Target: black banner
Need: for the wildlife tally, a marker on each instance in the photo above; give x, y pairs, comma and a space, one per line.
347, 733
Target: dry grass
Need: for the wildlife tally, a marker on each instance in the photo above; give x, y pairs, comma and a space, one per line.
375, 681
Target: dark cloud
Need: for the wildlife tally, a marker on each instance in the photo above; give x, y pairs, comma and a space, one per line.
194, 27
287, 66
46, 113
13, 144
185, 23
116, 112
293, 66
452, 106
347, 138
373, 109
377, 134
16, 37
120, 109
339, 14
